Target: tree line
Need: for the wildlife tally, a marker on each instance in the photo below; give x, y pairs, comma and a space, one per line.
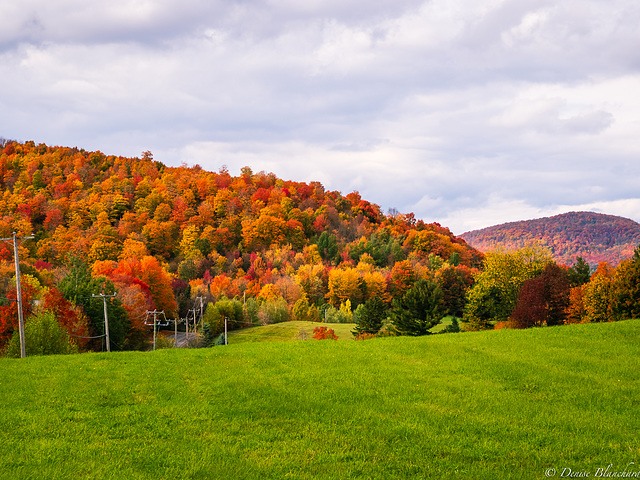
258, 249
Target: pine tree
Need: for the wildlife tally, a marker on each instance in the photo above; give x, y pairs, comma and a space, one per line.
371, 317
419, 310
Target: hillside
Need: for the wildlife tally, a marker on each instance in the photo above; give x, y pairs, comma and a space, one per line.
166, 238
506, 404
593, 236
90, 203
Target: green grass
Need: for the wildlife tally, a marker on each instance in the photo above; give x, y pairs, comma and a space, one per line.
287, 331
494, 405
444, 323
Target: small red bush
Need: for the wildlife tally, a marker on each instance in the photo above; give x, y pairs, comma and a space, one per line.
321, 333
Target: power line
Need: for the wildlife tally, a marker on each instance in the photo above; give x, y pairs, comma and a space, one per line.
79, 336
155, 314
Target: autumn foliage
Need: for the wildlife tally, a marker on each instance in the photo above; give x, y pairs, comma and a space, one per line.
592, 236
168, 238
324, 333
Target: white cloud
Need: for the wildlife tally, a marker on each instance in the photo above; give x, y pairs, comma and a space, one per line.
468, 113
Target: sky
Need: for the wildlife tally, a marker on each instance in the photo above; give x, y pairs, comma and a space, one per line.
469, 113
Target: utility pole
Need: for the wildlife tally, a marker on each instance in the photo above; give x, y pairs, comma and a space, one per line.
201, 308
195, 325
155, 323
154, 329
175, 337
23, 351
106, 316
186, 328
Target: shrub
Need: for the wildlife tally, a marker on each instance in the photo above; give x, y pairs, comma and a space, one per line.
322, 333
273, 310
164, 342
43, 336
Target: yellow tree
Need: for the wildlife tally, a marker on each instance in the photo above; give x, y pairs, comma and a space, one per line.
264, 232
190, 235
133, 248
494, 294
313, 280
598, 297
345, 284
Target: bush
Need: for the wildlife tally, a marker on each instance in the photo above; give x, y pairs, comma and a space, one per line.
273, 311
164, 342
322, 333
43, 336
333, 315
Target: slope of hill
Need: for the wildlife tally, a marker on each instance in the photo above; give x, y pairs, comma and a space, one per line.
593, 236
505, 404
167, 237
90, 204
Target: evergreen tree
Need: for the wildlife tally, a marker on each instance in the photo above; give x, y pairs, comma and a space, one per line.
327, 246
420, 309
78, 287
371, 317
580, 273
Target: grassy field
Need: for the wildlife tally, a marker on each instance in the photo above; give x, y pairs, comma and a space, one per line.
505, 404
287, 331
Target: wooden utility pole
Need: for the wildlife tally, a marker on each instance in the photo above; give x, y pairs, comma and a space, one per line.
106, 316
155, 314
14, 239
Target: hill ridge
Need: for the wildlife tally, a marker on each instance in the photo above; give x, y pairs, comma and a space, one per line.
596, 237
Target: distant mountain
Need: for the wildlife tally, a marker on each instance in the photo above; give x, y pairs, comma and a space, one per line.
593, 236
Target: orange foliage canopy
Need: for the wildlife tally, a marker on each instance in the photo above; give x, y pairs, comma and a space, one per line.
145, 275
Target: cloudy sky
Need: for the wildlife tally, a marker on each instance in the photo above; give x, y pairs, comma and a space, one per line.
466, 112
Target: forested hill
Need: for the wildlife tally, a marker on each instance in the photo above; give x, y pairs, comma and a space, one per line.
56, 193
231, 234
593, 236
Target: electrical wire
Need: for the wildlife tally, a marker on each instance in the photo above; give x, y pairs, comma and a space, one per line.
78, 336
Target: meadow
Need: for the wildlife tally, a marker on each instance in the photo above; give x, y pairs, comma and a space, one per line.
538, 403
288, 331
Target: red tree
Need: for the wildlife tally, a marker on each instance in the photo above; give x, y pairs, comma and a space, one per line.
69, 317
543, 300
